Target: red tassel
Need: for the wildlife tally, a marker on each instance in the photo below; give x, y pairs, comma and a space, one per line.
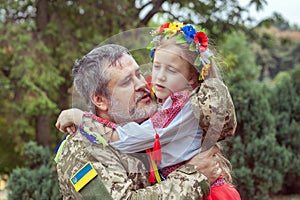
149, 82
151, 178
156, 153
152, 175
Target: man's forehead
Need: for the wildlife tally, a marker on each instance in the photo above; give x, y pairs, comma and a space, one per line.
123, 68
125, 64
126, 61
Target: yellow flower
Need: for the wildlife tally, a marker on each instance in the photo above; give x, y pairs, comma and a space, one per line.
205, 71
175, 26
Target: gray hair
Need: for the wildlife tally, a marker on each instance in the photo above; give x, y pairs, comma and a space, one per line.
89, 71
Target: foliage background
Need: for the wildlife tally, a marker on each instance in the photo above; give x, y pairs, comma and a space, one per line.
40, 40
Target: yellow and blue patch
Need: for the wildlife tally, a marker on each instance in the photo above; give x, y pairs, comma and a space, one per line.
83, 176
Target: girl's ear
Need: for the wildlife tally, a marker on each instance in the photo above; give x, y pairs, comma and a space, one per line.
193, 78
100, 102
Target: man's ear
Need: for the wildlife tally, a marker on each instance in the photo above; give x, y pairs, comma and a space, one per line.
100, 102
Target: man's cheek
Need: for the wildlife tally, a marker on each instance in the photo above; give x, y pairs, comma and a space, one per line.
140, 104
128, 102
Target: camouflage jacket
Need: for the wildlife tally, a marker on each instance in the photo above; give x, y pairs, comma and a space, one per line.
120, 176
213, 107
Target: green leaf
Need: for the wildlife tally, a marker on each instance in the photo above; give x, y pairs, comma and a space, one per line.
192, 47
170, 34
180, 39
151, 45
197, 61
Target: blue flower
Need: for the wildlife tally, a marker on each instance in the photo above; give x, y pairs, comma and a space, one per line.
152, 52
188, 31
188, 38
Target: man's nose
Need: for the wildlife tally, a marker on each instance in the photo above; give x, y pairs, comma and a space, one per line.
140, 83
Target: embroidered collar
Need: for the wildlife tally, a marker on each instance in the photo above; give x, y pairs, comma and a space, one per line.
101, 120
163, 118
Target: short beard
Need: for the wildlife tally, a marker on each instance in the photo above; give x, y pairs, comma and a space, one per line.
135, 114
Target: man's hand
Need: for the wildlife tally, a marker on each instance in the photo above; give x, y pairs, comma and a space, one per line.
207, 163
68, 120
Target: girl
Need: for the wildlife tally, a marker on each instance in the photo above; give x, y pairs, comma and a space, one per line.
188, 92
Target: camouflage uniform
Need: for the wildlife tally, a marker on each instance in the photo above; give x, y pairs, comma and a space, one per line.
120, 176
213, 106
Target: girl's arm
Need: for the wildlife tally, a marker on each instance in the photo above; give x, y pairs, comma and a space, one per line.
136, 137
133, 137
69, 119
213, 106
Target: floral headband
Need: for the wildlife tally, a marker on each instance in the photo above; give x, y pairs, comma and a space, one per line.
197, 41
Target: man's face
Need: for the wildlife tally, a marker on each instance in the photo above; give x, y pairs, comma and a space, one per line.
130, 100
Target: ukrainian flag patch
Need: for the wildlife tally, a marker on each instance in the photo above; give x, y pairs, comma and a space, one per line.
83, 176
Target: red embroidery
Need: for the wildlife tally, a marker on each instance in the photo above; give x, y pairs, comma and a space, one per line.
163, 118
220, 181
101, 120
167, 170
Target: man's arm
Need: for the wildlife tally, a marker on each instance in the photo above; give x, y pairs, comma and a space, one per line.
184, 183
123, 176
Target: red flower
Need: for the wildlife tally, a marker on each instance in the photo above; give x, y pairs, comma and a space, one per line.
201, 39
164, 26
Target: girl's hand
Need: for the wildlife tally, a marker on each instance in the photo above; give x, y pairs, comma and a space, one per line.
68, 120
71, 129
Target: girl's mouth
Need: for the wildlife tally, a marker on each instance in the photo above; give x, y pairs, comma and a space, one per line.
159, 87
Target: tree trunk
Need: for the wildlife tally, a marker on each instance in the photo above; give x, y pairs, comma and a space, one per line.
42, 15
43, 130
63, 101
42, 125
156, 7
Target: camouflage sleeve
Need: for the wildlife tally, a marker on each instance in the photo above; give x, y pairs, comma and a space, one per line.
122, 176
183, 183
213, 106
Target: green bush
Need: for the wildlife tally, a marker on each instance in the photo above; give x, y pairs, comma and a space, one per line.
259, 161
286, 109
37, 180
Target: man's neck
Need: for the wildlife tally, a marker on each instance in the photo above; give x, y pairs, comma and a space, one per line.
104, 116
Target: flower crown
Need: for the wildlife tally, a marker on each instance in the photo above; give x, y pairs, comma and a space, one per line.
197, 41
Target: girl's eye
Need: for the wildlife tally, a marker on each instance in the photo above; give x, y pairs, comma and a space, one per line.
170, 69
156, 66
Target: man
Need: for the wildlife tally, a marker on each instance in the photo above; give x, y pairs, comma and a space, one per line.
88, 167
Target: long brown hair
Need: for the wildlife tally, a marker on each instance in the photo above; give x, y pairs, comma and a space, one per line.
224, 163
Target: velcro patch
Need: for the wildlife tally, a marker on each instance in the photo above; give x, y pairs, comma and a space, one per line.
83, 176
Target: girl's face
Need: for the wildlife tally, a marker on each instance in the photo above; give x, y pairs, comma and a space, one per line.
170, 72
